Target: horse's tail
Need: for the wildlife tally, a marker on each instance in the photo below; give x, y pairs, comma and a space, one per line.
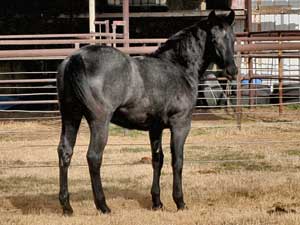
76, 77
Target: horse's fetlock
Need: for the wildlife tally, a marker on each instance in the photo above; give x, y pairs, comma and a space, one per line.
179, 202
155, 191
63, 197
178, 196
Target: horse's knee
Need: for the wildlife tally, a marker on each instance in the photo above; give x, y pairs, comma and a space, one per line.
177, 165
65, 155
94, 161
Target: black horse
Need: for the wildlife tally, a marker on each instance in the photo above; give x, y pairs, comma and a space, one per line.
148, 93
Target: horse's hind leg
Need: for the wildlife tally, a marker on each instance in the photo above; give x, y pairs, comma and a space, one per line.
98, 139
157, 163
70, 125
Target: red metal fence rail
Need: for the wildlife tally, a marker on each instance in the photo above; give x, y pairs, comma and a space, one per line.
58, 46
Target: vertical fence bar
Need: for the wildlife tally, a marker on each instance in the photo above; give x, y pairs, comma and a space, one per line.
114, 34
249, 16
92, 16
107, 30
280, 78
126, 20
280, 75
251, 86
239, 92
107, 26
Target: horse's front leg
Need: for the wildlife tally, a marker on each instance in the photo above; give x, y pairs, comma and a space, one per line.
179, 132
157, 163
98, 140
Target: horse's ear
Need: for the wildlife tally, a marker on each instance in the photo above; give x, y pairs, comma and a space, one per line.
230, 17
212, 16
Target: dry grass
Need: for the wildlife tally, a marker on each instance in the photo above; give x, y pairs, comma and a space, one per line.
231, 177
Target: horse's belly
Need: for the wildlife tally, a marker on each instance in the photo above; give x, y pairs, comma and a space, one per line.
132, 119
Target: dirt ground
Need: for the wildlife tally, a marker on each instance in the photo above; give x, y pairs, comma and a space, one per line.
231, 176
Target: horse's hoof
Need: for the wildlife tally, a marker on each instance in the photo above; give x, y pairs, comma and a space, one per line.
68, 211
158, 207
182, 207
105, 210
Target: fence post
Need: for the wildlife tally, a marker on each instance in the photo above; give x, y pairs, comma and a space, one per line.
280, 78
239, 92
126, 21
251, 85
92, 15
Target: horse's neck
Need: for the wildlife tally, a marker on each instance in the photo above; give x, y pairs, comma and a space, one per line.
188, 54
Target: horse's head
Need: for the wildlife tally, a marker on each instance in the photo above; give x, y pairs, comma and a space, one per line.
220, 42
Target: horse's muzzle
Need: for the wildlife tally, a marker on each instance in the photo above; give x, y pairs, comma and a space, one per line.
231, 72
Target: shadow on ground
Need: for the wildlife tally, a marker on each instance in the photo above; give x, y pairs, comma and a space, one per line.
49, 203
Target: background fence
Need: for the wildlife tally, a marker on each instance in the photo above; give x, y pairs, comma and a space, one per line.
269, 72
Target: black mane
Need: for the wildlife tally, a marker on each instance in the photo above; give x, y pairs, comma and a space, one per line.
186, 48
178, 39
184, 35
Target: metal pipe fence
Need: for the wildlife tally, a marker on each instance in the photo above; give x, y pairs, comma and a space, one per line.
31, 89
139, 2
